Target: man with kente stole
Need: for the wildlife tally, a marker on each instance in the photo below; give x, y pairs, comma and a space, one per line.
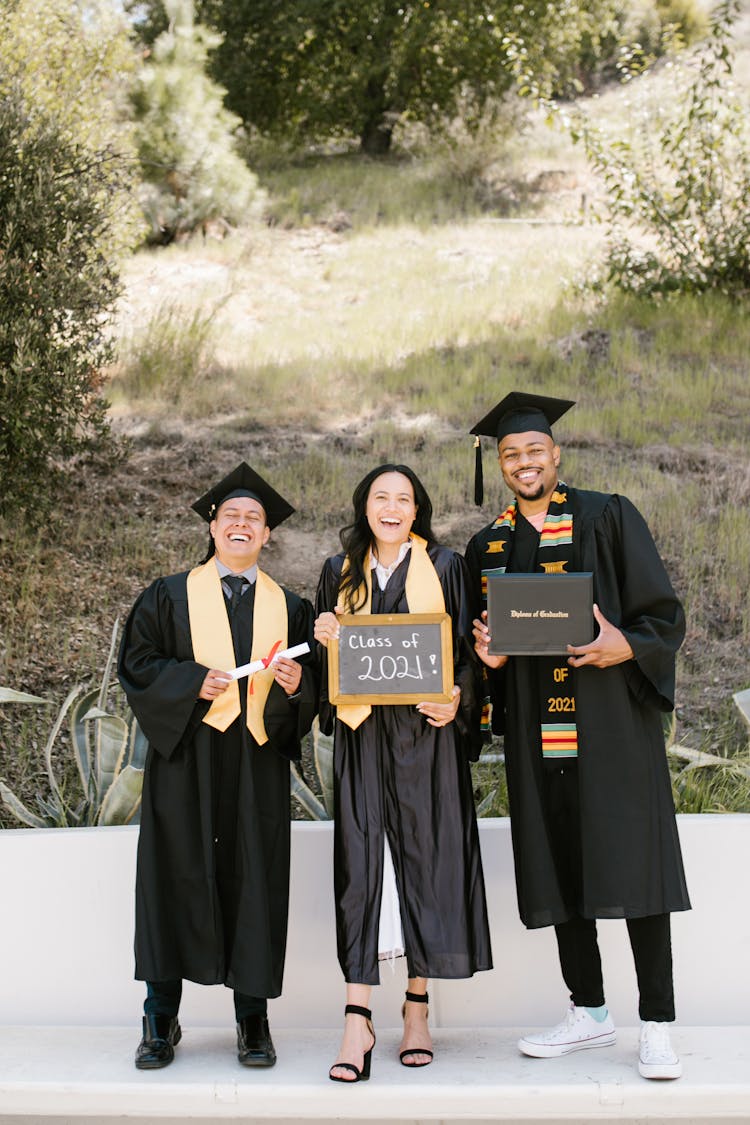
212, 881
592, 816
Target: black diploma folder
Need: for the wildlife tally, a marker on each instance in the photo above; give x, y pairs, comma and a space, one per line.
539, 614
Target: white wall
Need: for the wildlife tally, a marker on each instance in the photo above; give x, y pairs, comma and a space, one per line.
66, 938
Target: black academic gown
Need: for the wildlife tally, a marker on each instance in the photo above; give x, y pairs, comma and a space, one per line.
212, 881
632, 865
397, 775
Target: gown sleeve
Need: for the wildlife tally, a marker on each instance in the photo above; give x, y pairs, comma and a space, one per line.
162, 689
473, 561
455, 581
288, 719
326, 599
644, 606
492, 680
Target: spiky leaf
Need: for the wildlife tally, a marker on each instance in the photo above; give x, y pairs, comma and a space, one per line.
48, 750
95, 713
323, 755
80, 737
484, 806
742, 703
123, 797
19, 810
137, 745
55, 815
8, 695
315, 809
110, 742
699, 758
104, 686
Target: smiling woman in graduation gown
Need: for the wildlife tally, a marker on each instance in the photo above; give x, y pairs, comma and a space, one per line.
398, 777
406, 845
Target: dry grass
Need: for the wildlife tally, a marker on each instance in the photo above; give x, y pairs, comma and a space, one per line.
298, 309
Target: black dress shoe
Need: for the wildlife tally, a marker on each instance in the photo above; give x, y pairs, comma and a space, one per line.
254, 1043
161, 1034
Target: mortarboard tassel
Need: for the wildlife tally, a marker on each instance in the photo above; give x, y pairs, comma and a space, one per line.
478, 475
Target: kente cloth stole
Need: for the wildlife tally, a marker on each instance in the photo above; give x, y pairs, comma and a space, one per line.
559, 736
211, 636
424, 594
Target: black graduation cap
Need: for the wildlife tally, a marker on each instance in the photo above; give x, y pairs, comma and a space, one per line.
244, 481
517, 413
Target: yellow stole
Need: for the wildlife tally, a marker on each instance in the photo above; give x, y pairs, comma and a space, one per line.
212, 643
424, 594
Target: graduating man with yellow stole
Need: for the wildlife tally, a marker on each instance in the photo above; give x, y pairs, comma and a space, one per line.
212, 883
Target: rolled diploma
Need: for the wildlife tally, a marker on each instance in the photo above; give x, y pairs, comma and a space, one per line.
257, 665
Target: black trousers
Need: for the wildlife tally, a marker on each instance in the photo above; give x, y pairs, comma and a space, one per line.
163, 999
580, 961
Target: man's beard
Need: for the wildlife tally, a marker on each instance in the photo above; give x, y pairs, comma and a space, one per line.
537, 494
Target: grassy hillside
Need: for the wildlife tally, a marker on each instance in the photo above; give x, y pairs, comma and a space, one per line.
376, 315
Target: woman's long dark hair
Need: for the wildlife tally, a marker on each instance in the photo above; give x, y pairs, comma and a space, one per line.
356, 538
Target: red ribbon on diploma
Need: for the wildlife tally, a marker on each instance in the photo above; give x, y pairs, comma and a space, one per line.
266, 661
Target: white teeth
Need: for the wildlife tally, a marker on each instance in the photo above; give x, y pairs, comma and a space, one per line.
239, 539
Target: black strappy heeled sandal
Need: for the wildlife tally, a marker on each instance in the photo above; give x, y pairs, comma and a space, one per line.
363, 1074
416, 998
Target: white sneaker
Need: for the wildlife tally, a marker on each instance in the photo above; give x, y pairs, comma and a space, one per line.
577, 1031
656, 1059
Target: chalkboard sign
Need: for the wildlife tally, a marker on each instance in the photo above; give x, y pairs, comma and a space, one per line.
391, 658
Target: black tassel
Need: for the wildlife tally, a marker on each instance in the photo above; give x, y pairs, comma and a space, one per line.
478, 475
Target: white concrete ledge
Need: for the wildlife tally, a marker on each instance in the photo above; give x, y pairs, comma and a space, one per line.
66, 939
80, 1074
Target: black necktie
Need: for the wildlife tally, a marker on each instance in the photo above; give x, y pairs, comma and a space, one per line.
236, 583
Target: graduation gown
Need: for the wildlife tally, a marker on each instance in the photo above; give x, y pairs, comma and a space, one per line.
632, 865
212, 880
398, 776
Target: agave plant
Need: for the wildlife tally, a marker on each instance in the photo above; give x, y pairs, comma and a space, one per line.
322, 748
109, 753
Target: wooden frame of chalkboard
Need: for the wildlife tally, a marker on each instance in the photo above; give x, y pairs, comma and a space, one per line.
393, 650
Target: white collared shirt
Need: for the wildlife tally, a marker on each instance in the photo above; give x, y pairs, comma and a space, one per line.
383, 573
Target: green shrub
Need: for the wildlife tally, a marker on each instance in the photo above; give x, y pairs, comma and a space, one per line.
649, 27
73, 62
678, 192
56, 291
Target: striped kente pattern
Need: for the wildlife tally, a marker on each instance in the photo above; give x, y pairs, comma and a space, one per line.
559, 740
